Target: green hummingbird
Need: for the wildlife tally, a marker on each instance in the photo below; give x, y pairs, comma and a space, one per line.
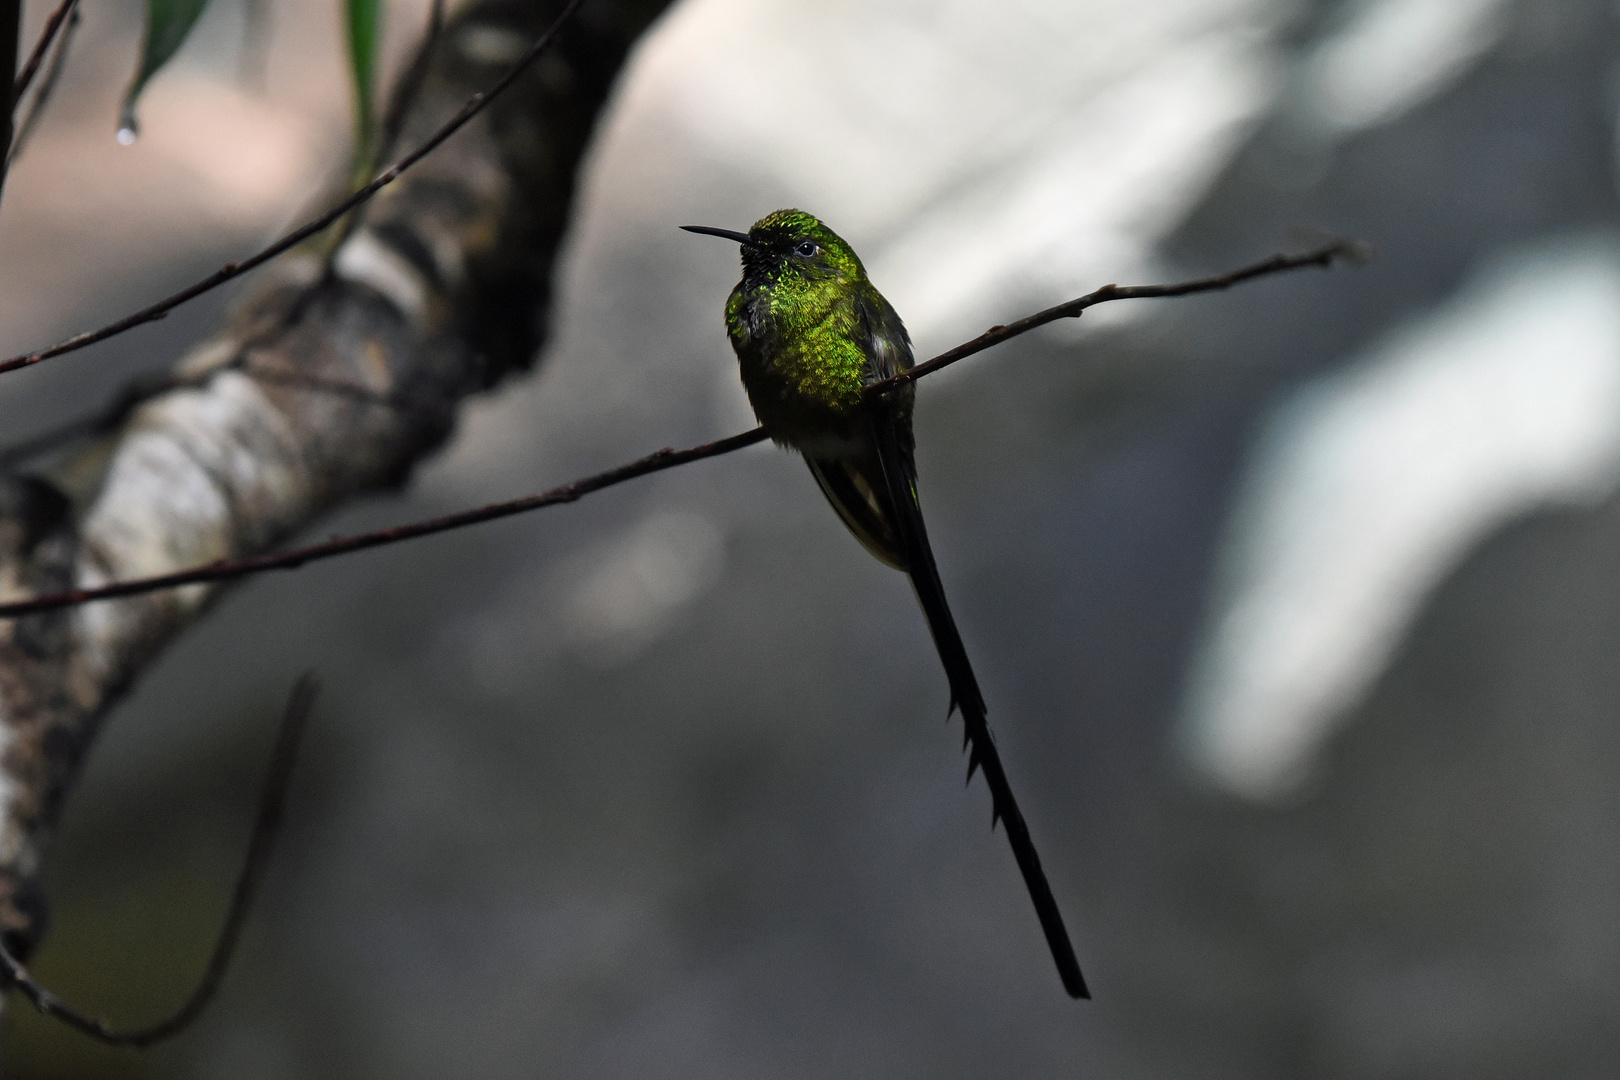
811, 333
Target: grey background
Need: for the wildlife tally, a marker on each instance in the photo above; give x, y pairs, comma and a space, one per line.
534, 833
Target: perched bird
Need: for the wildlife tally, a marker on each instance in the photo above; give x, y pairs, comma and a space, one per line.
811, 334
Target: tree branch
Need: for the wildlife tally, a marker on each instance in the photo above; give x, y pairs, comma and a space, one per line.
318, 387
1344, 250
225, 570
658, 461
42, 96
53, 25
151, 313
10, 31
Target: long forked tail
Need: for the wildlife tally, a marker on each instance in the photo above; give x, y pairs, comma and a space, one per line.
894, 456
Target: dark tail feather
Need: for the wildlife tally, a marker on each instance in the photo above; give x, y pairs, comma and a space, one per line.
895, 459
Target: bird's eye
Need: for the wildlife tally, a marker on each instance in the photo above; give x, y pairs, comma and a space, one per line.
806, 249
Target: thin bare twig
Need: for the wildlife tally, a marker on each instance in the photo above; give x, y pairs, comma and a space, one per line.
1344, 250
272, 800
229, 271
37, 57
656, 462
36, 107
10, 32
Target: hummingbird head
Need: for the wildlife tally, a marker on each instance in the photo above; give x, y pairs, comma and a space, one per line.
790, 242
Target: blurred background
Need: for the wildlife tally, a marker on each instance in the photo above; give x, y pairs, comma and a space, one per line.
1297, 607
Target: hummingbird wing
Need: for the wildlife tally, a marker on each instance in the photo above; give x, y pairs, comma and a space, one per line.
862, 504
899, 479
854, 482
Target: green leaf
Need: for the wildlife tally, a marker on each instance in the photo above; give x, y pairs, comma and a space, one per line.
168, 23
365, 19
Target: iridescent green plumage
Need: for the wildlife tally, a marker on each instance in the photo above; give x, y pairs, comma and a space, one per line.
811, 333
810, 330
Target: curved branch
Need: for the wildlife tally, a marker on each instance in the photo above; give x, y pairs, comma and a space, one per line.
266, 823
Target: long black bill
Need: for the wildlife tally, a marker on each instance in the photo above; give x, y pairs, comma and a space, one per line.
710, 230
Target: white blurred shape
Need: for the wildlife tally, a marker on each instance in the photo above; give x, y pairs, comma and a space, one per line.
1082, 203
1368, 486
976, 154
626, 596
1391, 55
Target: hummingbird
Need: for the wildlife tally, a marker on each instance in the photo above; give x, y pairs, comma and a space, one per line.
811, 333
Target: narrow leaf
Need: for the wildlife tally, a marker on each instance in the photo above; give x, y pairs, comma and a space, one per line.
168, 24
364, 21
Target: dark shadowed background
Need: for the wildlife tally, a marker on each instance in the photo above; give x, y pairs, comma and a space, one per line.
1297, 608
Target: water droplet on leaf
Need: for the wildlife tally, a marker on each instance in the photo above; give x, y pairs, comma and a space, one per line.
127, 127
